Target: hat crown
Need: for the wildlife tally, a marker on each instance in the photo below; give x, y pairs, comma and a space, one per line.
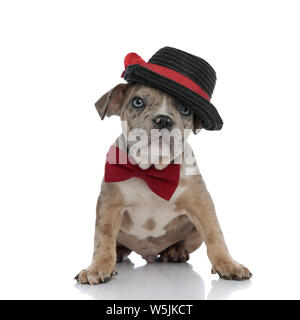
191, 66
188, 78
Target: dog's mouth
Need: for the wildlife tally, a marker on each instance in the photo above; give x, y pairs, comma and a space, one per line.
163, 146
164, 137
157, 146
161, 141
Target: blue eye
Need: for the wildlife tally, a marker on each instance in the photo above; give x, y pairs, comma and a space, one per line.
185, 111
138, 102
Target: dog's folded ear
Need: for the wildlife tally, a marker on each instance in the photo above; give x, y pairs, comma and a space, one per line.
111, 102
197, 124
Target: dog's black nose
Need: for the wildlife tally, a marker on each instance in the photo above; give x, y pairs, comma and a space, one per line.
163, 122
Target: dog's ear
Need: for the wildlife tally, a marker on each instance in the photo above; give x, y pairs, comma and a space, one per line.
110, 103
197, 124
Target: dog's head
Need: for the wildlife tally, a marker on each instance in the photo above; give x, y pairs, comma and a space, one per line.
154, 123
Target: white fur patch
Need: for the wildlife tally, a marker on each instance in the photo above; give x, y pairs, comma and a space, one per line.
163, 109
142, 204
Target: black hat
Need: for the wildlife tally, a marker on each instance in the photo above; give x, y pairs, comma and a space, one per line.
188, 78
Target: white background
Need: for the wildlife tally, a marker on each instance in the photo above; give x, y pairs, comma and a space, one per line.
59, 57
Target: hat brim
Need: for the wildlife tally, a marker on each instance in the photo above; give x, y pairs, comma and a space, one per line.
201, 107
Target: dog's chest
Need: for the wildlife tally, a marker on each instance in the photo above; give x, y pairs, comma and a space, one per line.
146, 214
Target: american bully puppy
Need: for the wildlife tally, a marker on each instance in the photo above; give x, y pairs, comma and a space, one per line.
153, 199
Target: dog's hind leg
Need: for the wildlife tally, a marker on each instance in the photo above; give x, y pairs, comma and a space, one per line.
193, 241
179, 252
122, 252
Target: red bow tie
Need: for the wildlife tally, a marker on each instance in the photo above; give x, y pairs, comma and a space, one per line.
162, 182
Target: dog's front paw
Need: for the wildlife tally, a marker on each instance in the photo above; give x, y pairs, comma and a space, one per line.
95, 274
229, 269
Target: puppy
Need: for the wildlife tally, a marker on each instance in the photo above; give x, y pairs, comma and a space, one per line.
130, 216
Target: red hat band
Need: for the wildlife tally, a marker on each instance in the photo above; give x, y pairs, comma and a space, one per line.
133, 58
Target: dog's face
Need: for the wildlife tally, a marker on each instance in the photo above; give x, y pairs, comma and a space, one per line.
155, 124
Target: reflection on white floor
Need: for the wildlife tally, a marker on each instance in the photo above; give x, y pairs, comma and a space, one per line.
223, 289
160, 281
